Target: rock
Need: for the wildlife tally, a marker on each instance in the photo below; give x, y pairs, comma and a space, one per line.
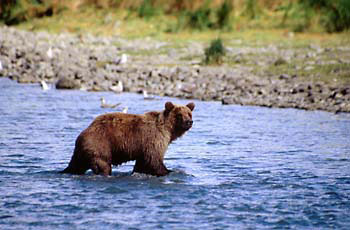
333, 95
67, 83
345, 91
25, 78
227, 101
317, 48
280, 61
284, 77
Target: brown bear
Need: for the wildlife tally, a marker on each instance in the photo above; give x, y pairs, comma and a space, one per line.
115, 138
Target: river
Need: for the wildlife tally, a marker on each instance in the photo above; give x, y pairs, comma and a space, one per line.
239, 167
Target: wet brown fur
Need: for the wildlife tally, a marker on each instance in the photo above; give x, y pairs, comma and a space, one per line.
115, 138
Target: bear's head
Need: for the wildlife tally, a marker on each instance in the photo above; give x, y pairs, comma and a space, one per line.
179, 117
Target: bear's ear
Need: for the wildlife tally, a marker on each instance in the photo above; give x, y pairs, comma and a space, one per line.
190, 106
169, 106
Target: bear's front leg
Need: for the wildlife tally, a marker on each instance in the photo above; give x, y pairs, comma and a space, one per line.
152, 167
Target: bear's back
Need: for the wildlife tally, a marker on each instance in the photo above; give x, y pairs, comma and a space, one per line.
121, 125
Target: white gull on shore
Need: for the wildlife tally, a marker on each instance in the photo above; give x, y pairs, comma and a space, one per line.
117, 88
122, 60
125, 109
44, 85
49, 53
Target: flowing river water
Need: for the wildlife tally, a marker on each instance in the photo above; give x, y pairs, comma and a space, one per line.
239, 167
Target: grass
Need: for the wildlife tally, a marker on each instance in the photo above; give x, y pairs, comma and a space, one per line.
147, 52
295, 15
104, 21
121, 23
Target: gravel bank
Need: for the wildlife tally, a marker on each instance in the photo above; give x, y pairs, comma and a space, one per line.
94, 63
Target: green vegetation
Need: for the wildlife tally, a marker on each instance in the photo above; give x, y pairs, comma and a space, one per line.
332, 15
147, 10
224, 15
251, 9
200, 18
207, 18
14, 12
294, 15
215, 53
338, 19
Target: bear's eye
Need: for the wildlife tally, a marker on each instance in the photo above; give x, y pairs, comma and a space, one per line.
178, 116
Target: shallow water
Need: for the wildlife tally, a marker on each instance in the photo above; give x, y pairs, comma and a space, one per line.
237, 168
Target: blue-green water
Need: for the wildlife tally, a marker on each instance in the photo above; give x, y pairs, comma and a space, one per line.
237, 168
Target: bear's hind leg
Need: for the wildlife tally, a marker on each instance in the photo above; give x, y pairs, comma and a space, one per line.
76, 166
77, 170
101, 167
155, 168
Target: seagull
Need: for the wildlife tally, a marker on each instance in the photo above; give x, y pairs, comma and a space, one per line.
1, 68
49, 53
104, 105
123, 59
117, 88
125, 109
44, 86
146, 96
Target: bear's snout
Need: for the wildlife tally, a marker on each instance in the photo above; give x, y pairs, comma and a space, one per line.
188, 124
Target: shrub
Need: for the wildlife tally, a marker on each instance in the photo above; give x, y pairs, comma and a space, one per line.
179, 25
334, 15
338, 18
14, 12
252, 9
215, 53
200, 18
223, 14
204, 17
146, 9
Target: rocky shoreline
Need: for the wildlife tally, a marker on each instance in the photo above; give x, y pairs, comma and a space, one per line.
93, 63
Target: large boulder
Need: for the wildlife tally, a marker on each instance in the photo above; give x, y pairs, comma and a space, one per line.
67, 83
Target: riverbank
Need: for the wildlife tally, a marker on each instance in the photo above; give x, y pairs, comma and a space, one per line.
276, 75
